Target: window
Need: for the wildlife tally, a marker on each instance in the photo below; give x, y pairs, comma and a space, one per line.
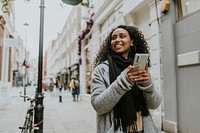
186, 7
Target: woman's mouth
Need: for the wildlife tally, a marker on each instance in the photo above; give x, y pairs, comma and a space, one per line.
118, 46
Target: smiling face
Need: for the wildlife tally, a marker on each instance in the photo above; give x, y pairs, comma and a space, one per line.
121, 42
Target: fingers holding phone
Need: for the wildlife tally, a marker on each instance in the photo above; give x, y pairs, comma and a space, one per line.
139, 76
134, 74
144, 77
139, 72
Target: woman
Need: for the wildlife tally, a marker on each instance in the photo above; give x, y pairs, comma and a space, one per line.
122, 95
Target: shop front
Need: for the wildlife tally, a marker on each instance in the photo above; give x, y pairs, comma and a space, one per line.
66, 74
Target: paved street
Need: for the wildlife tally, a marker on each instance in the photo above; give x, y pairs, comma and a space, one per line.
69, 116
65, 117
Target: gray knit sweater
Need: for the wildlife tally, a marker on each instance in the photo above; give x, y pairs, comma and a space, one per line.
105, 97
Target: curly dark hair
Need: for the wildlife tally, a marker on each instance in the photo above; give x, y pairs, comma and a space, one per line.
140, 44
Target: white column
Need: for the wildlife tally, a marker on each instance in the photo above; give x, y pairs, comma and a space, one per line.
154, 44
5, 59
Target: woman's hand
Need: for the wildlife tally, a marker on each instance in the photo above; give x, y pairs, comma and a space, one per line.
138, 76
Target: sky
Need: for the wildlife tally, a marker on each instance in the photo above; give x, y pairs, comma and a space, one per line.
55, 15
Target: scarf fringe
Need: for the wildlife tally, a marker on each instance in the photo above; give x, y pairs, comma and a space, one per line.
117, 124
132, 126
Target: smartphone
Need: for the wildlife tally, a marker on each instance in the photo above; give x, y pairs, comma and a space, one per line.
141, 59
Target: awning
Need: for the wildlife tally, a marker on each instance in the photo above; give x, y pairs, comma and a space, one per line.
59, 74
63, 71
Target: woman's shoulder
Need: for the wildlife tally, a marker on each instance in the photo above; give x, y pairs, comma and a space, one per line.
101, 68
103, 64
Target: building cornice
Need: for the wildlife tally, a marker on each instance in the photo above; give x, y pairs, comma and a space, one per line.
105, 10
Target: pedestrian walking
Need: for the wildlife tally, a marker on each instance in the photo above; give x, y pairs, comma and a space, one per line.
121, 94
43, 85
59, 90
74, 86
57, 87
76, 89
52, 87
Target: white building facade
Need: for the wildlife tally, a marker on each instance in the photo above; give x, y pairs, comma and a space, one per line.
10, 45
62, 53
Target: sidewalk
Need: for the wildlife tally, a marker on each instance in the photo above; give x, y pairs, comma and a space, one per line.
69, 116
66, 117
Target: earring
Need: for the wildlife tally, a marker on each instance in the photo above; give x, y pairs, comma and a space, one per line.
132, 43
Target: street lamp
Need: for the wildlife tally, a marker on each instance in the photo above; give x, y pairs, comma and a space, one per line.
72, 2
25, 73
39, 107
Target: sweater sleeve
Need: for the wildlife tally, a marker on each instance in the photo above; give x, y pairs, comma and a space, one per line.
152, 94
105, 96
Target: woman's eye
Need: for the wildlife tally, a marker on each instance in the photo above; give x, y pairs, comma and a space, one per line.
122, 36
114, 37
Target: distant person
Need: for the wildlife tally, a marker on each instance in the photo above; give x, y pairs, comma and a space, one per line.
74, 86
52, 87
71, 84
77, 89
57, 87
43, 85
120, 93
60, 90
